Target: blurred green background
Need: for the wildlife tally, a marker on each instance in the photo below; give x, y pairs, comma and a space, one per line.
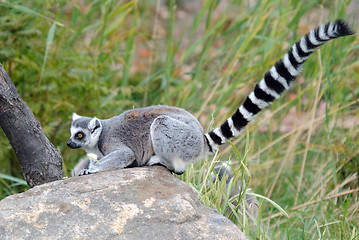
99, 58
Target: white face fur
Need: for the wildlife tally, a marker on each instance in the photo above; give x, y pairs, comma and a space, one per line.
85, 133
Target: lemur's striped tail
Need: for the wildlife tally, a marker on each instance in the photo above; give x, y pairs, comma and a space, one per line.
279, 78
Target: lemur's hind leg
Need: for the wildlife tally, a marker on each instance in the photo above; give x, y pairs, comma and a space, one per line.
176, 143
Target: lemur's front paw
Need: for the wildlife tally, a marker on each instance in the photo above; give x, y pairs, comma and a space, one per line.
83, 172
86, 172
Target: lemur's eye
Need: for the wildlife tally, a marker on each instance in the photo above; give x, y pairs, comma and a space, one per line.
79, 135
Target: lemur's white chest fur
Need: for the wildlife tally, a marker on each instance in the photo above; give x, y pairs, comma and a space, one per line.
173, 137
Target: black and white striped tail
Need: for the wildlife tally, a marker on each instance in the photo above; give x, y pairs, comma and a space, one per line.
279, 78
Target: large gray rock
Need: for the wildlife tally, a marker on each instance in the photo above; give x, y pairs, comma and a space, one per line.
138, 203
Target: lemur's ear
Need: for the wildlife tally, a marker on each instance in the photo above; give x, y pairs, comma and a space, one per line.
75, 116
93, 125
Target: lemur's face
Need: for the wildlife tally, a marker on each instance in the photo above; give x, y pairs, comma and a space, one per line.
85, 132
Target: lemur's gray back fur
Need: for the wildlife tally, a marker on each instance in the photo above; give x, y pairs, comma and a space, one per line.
132, 129
173, 137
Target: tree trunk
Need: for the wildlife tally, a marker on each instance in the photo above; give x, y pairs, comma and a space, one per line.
39, 159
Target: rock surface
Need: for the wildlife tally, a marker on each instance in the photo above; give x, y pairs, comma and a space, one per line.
138, 203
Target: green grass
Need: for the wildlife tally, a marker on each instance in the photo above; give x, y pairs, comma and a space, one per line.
103, 57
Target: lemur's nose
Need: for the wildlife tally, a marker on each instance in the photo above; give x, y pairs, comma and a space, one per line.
72, 144
68, 143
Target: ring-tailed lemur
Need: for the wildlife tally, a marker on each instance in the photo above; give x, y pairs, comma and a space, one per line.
172, 137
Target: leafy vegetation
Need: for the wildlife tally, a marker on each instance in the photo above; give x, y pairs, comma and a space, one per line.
99, 58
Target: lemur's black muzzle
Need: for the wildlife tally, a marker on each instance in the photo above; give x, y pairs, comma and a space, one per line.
72, 144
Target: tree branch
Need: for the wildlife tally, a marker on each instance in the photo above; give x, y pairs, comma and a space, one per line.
39, 159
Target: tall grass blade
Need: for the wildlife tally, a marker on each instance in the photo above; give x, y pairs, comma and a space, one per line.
49, 41
30, 11
16, 180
